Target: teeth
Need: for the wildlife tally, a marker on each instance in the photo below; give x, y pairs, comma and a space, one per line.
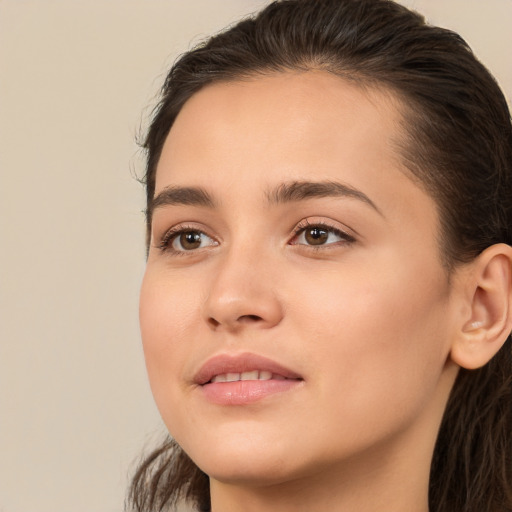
252, 375
249, 375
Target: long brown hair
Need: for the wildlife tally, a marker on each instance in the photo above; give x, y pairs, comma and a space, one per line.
457, 143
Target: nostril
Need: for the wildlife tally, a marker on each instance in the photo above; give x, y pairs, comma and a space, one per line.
249, 318
213, 322
233, 323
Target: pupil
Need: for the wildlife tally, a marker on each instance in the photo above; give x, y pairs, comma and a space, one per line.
190, 240
316, 236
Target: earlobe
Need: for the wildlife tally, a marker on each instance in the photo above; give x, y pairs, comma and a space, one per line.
488, 324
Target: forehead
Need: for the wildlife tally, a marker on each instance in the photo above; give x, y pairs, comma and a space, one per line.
270, 123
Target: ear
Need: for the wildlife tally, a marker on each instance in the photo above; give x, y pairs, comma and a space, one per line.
487, 322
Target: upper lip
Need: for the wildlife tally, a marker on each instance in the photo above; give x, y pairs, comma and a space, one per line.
239, 363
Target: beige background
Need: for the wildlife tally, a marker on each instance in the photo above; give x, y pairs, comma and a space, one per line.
77, 78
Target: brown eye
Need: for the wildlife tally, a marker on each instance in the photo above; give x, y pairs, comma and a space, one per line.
316, 236
189, 240
321, 235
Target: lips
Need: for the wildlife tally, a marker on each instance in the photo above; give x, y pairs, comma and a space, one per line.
243, 379
228, 368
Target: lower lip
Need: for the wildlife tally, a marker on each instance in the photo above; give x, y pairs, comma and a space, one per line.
244, 392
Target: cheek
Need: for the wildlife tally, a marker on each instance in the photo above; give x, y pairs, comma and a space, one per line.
383, 342
168, 316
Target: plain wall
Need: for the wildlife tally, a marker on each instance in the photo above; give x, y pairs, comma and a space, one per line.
77, 79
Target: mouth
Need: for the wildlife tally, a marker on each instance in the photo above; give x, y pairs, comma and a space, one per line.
243, 378
242, 367
250, 375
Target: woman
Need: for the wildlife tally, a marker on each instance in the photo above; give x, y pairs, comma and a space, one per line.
326, 307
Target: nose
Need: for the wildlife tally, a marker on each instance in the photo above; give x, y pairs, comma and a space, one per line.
243, 294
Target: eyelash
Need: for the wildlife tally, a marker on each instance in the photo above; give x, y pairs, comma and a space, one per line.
305, 224
165, 244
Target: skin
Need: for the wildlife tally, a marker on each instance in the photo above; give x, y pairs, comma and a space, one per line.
368, 321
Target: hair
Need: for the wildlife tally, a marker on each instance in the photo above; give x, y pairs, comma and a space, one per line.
456, 142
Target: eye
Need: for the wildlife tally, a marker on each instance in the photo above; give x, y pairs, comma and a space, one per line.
180, 240
316, 235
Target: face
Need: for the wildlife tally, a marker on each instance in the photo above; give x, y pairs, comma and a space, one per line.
295, 313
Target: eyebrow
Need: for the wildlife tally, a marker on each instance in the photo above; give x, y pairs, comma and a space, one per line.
284, 193
173, 195
300, 190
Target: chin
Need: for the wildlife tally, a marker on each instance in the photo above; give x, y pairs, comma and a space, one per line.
251, 473
244, 460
